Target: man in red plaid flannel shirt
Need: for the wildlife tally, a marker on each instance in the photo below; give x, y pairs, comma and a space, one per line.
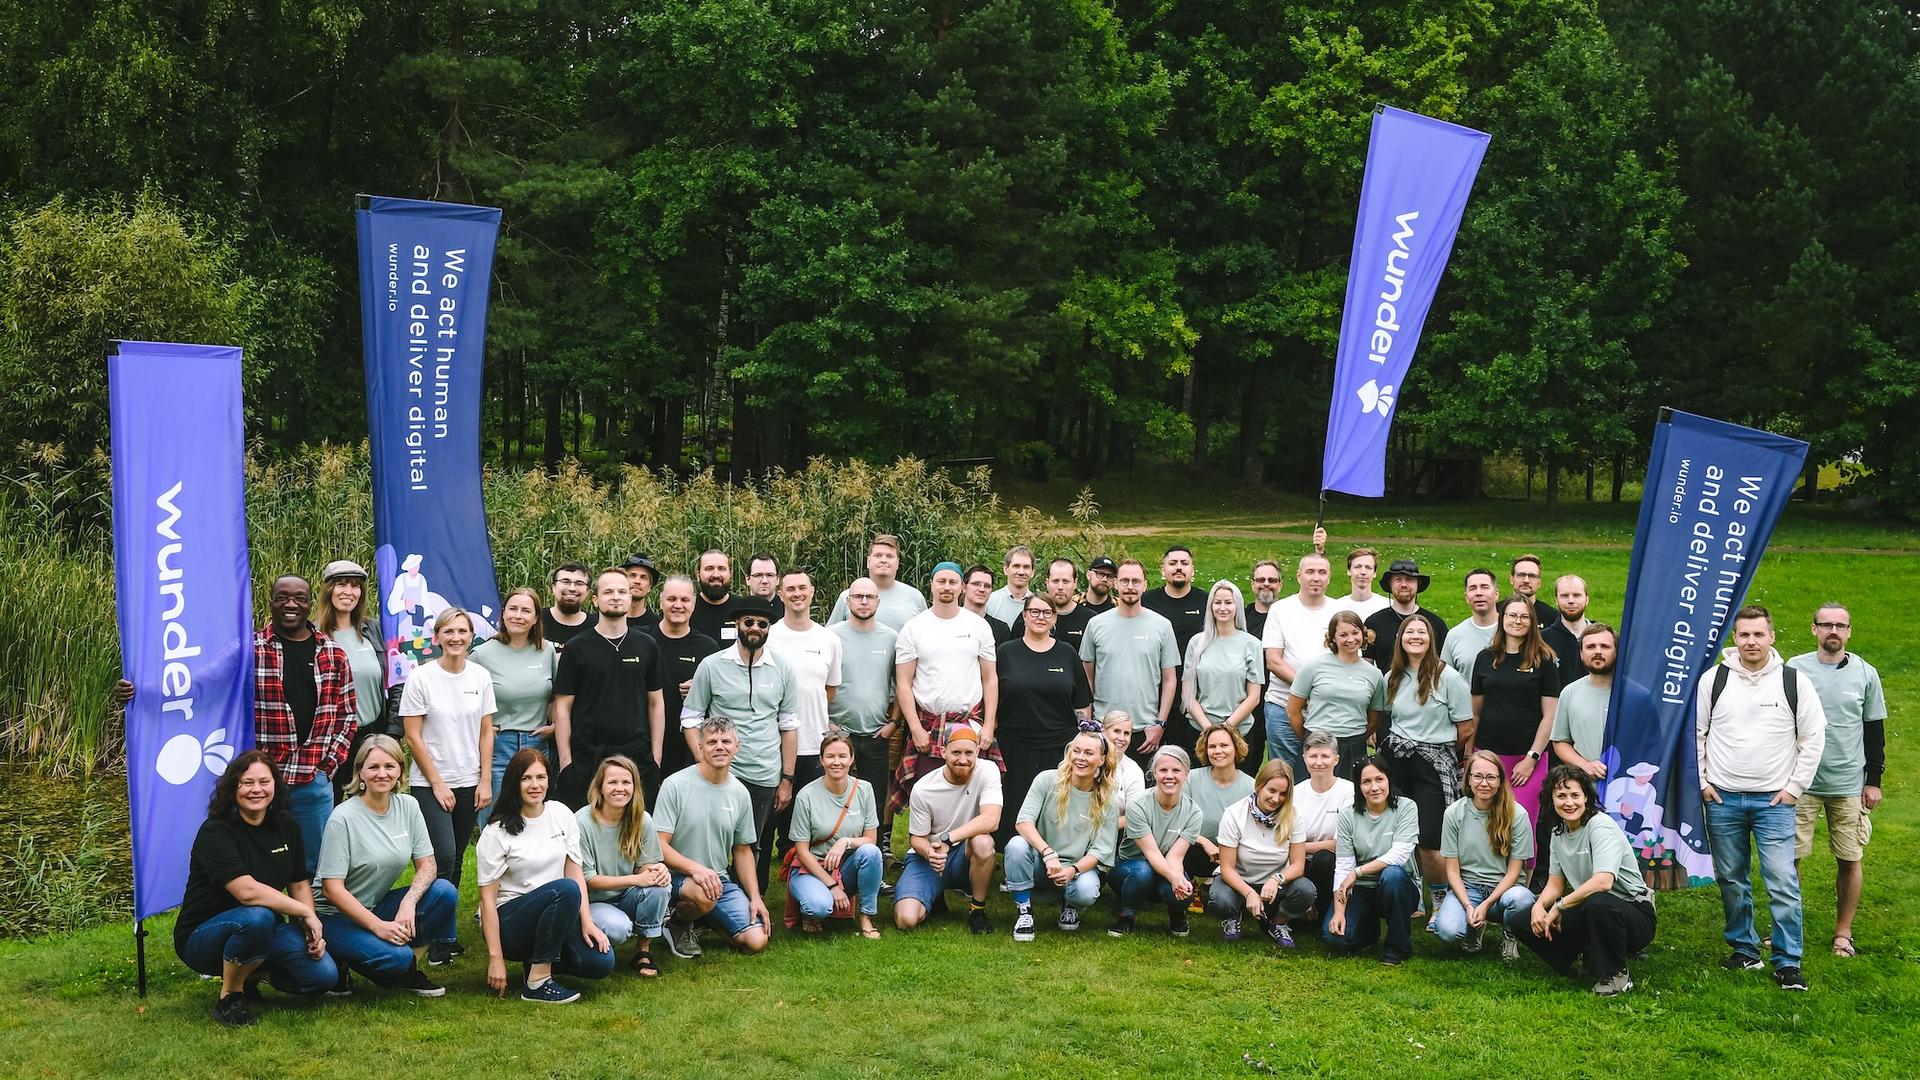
303, 707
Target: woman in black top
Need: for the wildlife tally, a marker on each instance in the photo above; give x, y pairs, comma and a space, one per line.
1516, 686
1043, 696
248, 908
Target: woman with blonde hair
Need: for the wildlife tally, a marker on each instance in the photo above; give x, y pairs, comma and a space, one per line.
522, 663
620, 858
1161, 822
1216, 788
1430, 707
1069, 828
1263, 861
1225, 668
372, 926
447, 711
1485, 843
1340, 693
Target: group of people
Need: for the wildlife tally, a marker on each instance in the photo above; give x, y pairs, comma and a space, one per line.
648, 765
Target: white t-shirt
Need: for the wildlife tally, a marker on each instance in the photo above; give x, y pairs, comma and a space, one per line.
938, 805
538, 855
947, 655
1258, 855
1317, 816
1128, 781
1363, 608
1299, 634
814, 656
452, 705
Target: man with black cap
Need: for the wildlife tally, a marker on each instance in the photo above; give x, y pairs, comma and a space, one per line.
756, 690
1404, 583
1099, 595
607, 695
641, 576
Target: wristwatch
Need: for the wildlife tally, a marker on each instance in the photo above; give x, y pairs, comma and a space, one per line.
945, 839
1533, 755
787, 776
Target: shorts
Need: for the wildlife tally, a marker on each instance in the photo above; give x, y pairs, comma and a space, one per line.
731, 915
921, 883
1848, 825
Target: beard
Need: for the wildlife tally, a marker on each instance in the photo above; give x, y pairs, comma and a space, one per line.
567, 607
714, 593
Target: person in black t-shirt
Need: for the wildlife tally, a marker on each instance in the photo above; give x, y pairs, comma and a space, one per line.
1404, 583
681, 650
1525, 578
1562, 634
1043, 695
1069, 618
608, 695
976, 588
566, 618
1516, 688
641, 575
1177, 600
1099, 594
248, 908
714, 604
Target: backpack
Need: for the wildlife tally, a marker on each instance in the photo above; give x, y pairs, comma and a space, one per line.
1789, 684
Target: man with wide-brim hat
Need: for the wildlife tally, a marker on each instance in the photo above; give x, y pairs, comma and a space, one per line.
1404, 583
642, 575
755, 690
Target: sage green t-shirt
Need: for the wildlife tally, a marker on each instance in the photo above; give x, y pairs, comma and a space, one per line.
600, 851
1075, 833
1433, 720
1850, 695
522, 682
816, 809
1598, 848
1581, 716
369, 851
1145, 816
1463, 836
1221, 675
865, 695
1364, 837
1338, 694
1212, 800
705, 821
369, 677
1128, 656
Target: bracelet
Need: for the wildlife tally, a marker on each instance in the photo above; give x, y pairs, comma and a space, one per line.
787, 776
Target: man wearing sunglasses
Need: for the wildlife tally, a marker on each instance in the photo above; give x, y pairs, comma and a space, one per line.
1846, 788
757, 691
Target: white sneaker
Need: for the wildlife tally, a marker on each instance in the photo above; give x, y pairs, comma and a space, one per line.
1023, 923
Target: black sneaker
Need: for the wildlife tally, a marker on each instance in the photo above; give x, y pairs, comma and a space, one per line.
1789, 978
1069, 919
682, 939
416, 982
1122, 926
1177, 920
977, 922
441, 953
1023, 923
231, 1011
550, 993
343, 988
1740, 961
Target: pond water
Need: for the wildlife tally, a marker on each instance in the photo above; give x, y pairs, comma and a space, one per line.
67, 860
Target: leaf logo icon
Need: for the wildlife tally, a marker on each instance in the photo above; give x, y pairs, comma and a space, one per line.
1376, 398
183, 756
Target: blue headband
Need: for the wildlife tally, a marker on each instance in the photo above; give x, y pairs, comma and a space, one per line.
953, 566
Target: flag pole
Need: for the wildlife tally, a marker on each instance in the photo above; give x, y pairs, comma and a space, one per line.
140, 954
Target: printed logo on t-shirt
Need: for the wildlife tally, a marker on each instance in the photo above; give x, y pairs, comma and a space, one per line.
629, 659
1057, 670
686, 659
281, 850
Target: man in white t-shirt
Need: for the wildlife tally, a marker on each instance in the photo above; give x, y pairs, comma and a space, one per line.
813, 653
954, 812
1296, 632
944, 675
1362, 564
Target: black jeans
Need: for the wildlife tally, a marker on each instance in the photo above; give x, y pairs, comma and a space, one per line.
1603, 928
806, 769
762, 800
1320, 872
870, 760
1023, 764
450, 830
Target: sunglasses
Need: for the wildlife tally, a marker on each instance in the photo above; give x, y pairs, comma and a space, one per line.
753, 622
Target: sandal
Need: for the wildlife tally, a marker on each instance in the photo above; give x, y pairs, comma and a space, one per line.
642, 962
1843, 946
871, 933
810, 926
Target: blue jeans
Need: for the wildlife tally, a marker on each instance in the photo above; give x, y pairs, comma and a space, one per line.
1392, 899
1450, 922
246, 934
543, 927
732, 914
358, 948
1291, 902
921, 882
1735, 824
859, 871
638, 906
1282, 743
505, 745
1023, 865
311, 804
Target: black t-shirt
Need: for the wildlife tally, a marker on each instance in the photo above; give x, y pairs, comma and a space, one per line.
1188, 614
1071, 627
303, 697
1567, 648
1510, 715
1001, 631
1038, 693
227, 848
1385, 625
1095, 609
559, 633
711, 619
1257, 626
679, 657
609, 685
646, 620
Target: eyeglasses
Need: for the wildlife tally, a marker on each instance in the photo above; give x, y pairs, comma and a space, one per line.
1040, 613
1524, 576
752, 622
1832, 626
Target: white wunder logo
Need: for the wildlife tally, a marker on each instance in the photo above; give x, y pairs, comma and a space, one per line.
1376, 398
183, 756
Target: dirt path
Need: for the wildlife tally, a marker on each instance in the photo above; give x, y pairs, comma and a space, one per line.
1284, 530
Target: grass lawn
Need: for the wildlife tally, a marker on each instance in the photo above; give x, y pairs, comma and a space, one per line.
938, 1001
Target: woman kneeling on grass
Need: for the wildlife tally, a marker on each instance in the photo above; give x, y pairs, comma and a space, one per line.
1161, 822
1372, 875
533, 895
834, 825
1595, 904
248, 909
1068, 827
1263, 860
373, 927
1485, 842
620, 857
1221, 787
